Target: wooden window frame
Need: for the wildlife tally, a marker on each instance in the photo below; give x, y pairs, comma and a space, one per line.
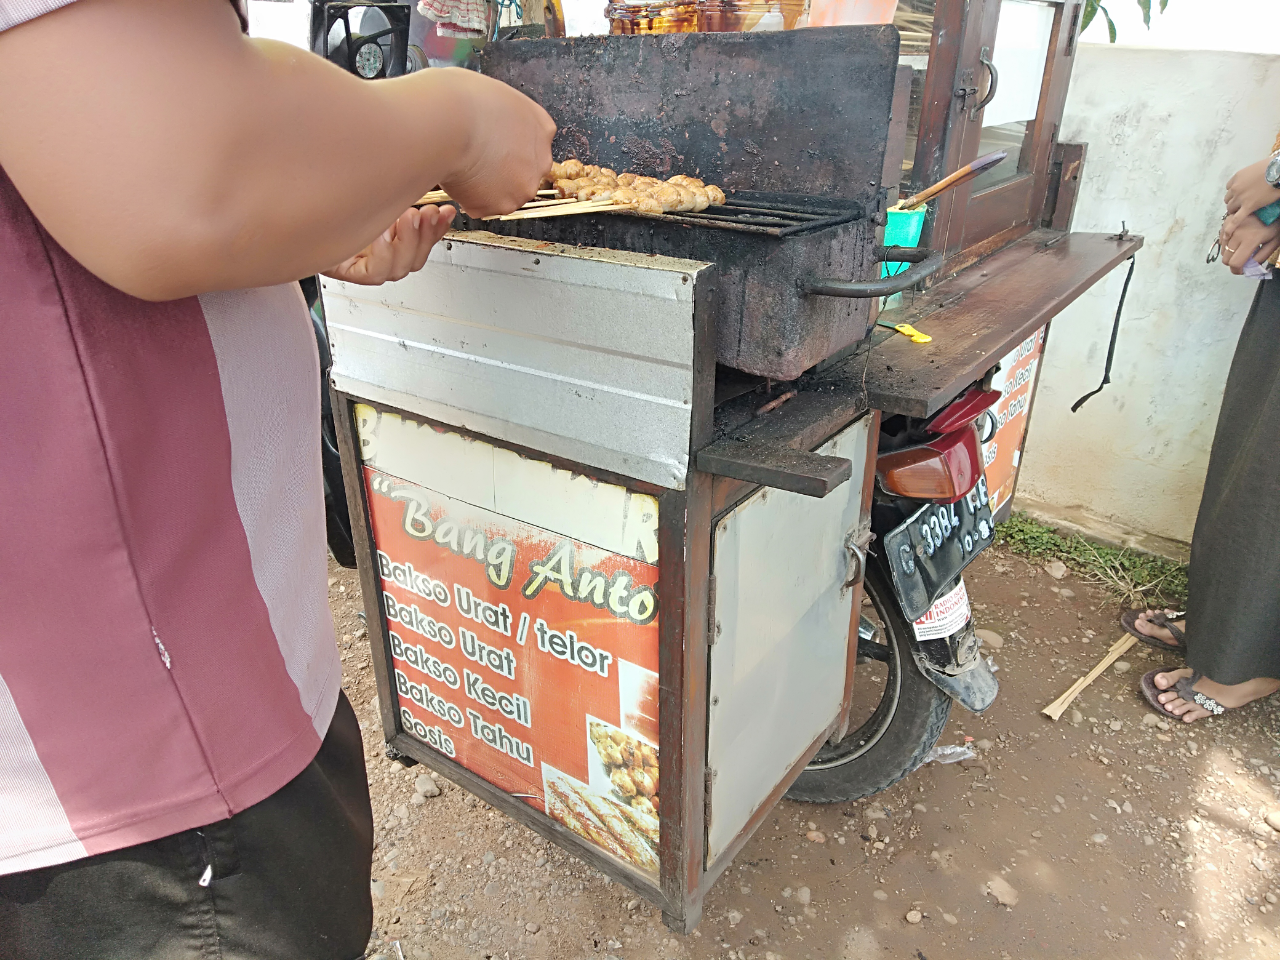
964, 225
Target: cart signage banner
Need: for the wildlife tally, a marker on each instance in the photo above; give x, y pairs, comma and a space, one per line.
1015, 381
528, 656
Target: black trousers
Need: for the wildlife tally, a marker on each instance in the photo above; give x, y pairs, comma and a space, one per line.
290, 880
1233, 604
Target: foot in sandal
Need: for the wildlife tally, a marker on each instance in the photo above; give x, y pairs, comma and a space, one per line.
1189, 695
1156, 628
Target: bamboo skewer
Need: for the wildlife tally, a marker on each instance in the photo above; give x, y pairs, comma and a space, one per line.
564, 210
442, 196
1055, 710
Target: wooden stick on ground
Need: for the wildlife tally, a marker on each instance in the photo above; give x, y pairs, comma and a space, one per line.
1055, 710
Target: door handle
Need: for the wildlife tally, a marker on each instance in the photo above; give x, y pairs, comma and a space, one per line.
984, 58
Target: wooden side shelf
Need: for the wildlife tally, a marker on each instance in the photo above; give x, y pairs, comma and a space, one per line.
977, 317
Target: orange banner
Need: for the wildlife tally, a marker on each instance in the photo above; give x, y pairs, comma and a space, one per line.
528, 657
1015, 381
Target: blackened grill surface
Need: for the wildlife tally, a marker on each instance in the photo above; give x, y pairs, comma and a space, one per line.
795, 111
771, 214
801, 112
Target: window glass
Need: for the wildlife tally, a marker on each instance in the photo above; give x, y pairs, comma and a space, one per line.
1021, 49
914, 20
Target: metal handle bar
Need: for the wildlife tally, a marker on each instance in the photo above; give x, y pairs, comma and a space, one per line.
924, 263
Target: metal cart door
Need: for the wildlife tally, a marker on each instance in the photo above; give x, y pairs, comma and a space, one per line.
779, 639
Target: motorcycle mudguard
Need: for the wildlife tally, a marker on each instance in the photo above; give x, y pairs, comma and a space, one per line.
974, 687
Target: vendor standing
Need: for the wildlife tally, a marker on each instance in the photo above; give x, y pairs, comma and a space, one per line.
180, 774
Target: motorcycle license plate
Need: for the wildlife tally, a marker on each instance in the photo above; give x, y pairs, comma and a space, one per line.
935, 545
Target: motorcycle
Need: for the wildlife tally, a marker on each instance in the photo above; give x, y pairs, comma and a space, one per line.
917, 649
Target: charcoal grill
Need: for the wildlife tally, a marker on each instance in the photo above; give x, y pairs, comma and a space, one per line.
782, 304
799, 154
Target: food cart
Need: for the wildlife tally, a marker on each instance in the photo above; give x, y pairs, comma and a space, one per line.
611, 476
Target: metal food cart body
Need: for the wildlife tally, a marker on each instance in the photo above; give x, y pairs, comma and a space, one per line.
577, 419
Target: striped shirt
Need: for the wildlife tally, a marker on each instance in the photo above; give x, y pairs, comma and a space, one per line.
166, 647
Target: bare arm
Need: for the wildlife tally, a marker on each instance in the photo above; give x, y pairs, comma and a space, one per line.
171, 155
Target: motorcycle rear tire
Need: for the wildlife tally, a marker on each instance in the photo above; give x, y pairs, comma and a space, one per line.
906, 735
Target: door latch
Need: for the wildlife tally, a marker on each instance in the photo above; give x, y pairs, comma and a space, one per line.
967, 88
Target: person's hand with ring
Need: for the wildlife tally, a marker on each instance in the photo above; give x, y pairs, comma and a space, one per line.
1244, 237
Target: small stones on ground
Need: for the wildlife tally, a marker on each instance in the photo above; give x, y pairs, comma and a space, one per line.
402, 811
816, 836
492, 889
734, 917
1005, 895
1077, 717
920, 808
1122, 666
804, 896
1273, 819
1150, 720
1066, 594
1271, 897
880, 895
874, 812
488, 858
633, 904
914, 916
531, 928
1098, 838
983, 745
990, 639
1115, 724
378, 889
950, 918
1056, 569
426, 786
1060, 801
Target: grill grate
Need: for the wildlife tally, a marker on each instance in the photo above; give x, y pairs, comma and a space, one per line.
769, 214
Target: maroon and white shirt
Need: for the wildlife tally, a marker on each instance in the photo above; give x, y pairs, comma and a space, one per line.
166, 647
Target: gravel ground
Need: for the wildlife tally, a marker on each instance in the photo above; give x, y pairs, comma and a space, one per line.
1107, 834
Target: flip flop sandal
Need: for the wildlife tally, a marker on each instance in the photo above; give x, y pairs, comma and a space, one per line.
1183, 688
1129, 620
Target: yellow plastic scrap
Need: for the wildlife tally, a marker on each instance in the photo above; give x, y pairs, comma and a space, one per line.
907, 330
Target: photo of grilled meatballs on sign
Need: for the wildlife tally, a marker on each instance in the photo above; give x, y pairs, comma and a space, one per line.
630, 191
632, 766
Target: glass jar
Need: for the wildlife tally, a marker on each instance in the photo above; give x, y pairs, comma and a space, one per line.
751, 16
637, 18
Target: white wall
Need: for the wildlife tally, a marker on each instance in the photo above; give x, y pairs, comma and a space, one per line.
1165, 130
1240, 25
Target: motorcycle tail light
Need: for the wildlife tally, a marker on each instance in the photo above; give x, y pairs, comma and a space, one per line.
964, 410
943, 470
